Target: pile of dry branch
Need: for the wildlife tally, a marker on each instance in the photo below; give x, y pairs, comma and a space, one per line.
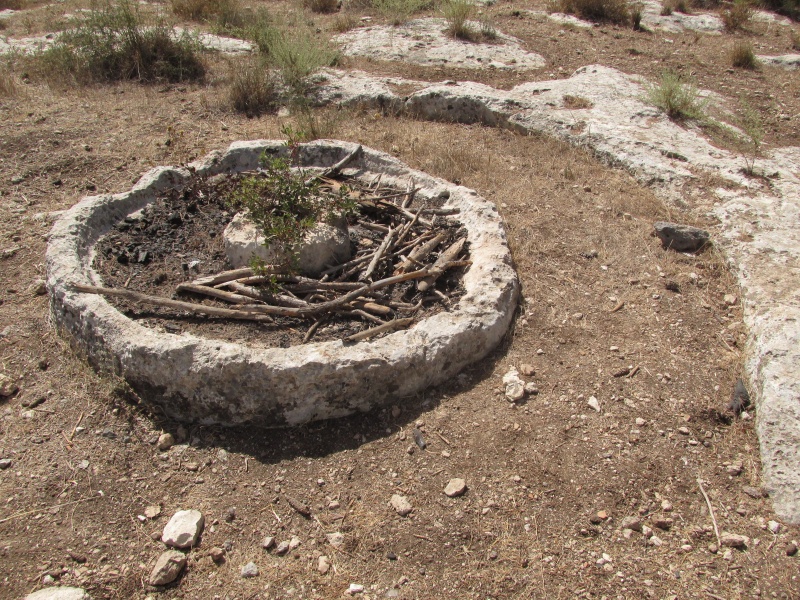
404, 251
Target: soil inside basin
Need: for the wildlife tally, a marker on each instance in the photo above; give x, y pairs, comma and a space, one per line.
178, 239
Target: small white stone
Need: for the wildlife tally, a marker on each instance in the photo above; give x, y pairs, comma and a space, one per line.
250, 570
401, 505
165, 442
666, 505
183, 529
593, 403
323, 564
656, 541
774, 527
455, 487
335, 539
294, 543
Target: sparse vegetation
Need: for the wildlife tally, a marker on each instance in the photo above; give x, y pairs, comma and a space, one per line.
114, 42
8, 86
611, 11
789, 8
398, 12
11, 4
680, 100
738, 15
254, 88
752, 125
742, 56
795, 39
223, 15
321, 6
670, 6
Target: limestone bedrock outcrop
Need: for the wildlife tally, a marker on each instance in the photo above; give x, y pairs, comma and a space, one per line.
425, 42
759, 229
210, 381
324, 245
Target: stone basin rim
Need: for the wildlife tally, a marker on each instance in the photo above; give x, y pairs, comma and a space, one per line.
204, 380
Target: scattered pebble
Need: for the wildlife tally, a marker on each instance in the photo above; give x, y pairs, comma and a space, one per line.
355, 588
666, 505
633, 523
167, 568
294, 543
335, 539
753, 492
268, 542
5, 463
165, 442
282, 548
663, 523
323, 564
401, 505
732, 540
527, 370
734, 469
151, 512
455, 487
7, 386
217, 554
656, 541
791, 549
250, 570
774, 527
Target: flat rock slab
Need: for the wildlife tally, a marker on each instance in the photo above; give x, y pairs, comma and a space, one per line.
183, 529
424, 42
620, 127
455, 487
59, 593
212, 381
784, 61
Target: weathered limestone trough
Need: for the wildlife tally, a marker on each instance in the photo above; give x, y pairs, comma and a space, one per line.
211, 381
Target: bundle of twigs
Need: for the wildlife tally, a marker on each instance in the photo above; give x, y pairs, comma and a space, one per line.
385, 284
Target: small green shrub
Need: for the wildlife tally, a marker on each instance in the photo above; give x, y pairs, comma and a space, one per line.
297, 55
321, 6
678, 99
284, 205
254, 88
225, 15
113, 42
612, 11
743, 57
738, 15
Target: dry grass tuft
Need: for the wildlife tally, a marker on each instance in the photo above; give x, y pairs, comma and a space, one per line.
743, 57
225, 15
345, 21
398, 12
8, 85
576, 102
254, 88
794, 37
738, 15
611, 11
458, 13
321, 6
12, 4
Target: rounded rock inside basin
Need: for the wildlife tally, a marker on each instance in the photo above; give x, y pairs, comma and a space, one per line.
210, 381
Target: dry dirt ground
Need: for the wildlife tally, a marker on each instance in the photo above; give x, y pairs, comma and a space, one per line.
549, 481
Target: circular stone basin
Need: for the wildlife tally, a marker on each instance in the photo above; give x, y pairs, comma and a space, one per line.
211, 381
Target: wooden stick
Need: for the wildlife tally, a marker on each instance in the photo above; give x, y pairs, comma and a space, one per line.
710, 510
419, 253
30, 512
382, 249
204, 290
410, 193
360, 313
313, 329
334, 170
449, 255
373, 307
223, 277
280, 299
211, 311
389, 326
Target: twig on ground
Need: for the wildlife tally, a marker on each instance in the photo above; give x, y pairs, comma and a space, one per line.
710, 510
389, 326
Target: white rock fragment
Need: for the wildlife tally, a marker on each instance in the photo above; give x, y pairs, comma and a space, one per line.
774, 527
167, 568
151, 512
593, 403
401, 505
183, 529
294, 543
455, 487
165, 442
249, 570
335, 539
323, 564
514, 386
355, 588
59, 593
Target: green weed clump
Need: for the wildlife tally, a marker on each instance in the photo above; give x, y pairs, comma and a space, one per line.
113, 42
284, 205
458, 13
743, 57
678, 99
